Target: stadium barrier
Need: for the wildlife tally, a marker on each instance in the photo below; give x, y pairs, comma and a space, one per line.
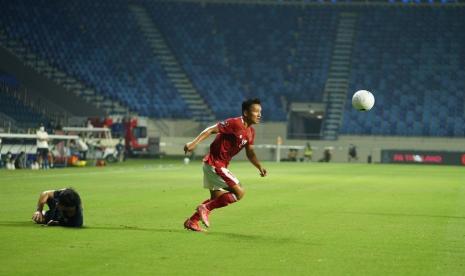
423, 157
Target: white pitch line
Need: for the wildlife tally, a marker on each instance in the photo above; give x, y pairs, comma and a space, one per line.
113, 171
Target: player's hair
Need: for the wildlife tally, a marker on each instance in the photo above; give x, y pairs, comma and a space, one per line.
248, 103
69, 198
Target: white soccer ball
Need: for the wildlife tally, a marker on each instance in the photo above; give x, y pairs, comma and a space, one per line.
186, 160
363, 100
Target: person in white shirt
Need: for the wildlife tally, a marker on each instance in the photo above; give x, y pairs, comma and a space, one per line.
42, 147
82, 147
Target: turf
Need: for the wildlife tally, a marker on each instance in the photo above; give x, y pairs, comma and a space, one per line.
304, 218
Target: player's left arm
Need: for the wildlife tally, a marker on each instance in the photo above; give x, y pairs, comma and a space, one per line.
250, 152
44, 196
190, 146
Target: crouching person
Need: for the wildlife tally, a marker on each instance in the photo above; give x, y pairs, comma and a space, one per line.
65, 208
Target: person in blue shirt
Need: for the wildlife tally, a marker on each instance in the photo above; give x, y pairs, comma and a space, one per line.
65, 208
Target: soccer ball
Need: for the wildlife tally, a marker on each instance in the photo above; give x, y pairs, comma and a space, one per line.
186, 160
363, 100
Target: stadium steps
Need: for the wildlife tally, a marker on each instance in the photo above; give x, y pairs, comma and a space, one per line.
337, 83
200, 110
61, 78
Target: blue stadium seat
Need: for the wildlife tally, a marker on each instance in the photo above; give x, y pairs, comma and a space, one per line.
413, 62
99, 44
412, 59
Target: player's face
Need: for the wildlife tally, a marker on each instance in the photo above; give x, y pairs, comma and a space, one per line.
254, 114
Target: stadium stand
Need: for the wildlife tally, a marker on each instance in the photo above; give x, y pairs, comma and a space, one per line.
13, 107
12, 110
8, 81
242, 60
280, 53
99, 44
23, 115
416, 74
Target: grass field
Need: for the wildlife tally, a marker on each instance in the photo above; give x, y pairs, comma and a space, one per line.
312, 219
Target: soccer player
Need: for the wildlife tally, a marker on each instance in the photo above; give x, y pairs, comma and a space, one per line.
231, 136
65, 208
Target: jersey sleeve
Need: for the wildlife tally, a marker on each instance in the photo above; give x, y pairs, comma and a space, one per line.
227, 126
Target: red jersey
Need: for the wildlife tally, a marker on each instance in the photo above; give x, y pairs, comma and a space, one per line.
232, 137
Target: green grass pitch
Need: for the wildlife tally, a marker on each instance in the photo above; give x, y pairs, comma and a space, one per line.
302, 219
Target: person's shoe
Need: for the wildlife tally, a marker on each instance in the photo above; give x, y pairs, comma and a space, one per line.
203, 212
193, 225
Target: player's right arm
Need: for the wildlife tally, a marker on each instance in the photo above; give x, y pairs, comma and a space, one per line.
190, 146
44, 196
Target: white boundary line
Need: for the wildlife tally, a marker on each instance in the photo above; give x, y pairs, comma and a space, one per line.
82, 173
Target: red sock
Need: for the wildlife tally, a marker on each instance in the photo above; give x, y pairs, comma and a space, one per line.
222, 201
196, 215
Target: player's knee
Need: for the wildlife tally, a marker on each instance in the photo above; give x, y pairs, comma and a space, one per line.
238, 191
240, 194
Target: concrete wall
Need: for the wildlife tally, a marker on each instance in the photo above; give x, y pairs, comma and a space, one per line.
190, 128
172, 128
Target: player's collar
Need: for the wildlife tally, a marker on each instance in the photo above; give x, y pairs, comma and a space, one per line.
243, 123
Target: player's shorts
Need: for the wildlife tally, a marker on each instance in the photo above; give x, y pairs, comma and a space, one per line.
43, 152
218, 178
